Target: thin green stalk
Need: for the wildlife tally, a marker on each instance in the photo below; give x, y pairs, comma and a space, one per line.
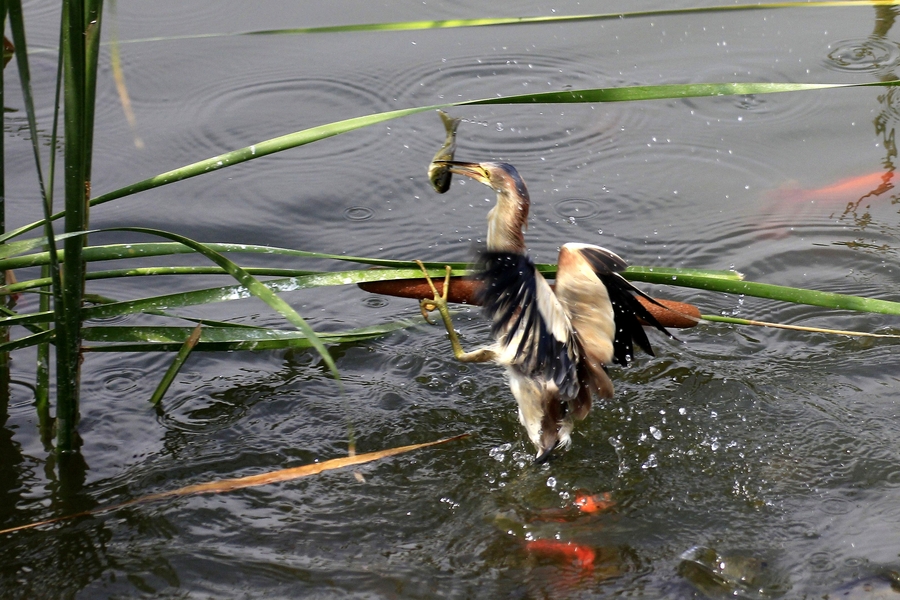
49, 271
68, 312
91, 24
176, 365
42, 393
805, 328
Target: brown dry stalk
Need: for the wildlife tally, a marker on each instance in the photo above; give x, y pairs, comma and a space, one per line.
227, 485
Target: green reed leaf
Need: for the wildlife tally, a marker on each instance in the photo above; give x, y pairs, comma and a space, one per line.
169, 339
511, 21
307, 136
183, 352
776, 292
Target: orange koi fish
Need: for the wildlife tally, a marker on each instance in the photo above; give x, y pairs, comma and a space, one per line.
593, 503
581, 556
849, 189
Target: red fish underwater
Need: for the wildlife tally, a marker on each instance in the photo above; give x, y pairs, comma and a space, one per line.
791, 205
578, 554
847, 190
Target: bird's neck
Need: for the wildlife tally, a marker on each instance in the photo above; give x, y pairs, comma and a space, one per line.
506, 223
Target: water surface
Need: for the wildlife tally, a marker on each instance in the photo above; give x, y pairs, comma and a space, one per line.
777, 448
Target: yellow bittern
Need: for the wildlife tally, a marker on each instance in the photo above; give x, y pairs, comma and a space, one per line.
555, 344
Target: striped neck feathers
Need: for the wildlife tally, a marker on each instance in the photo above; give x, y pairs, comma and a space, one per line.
507, 222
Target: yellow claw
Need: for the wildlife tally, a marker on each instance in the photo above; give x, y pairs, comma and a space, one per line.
427, 305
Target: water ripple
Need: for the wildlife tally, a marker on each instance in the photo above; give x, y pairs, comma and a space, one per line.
223, 109
866, 55
358, 213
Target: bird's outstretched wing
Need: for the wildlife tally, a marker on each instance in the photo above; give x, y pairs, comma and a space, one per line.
532, 330
623, 296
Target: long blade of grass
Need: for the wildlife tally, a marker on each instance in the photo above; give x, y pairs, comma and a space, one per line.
34, 339
777, 292
22, 286
381, 275
51, 269
225, 293
631, 93
12, 249
150, 249
217, 339
728, 282
507, 21
17, 26
300, 138
229, 485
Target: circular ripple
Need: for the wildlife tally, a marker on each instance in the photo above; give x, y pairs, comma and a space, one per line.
358, 213
750, 108
864, 55
836, 506
121, 383
577, 208
192, 413
800, 529
226, 113
820, 562
21, 396
504, 132
375, 301
114, 382
892, 479
854, 561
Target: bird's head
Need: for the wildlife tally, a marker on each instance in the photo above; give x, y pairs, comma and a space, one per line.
510, 216
500, 177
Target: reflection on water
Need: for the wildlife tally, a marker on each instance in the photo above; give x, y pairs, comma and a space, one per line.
773, 452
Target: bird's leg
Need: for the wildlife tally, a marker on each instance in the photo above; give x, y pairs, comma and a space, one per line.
439, 303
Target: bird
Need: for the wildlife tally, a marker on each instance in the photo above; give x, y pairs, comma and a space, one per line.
556, 343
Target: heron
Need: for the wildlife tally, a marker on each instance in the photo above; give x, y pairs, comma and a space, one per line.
556, 343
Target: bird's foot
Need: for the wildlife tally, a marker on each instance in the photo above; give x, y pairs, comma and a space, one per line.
439, 300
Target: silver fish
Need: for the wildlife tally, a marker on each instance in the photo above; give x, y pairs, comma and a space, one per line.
439, 174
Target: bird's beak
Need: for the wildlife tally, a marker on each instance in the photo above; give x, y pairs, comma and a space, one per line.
473, 170
544, 456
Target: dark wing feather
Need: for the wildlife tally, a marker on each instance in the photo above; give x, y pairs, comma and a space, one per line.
626, 307
509, 296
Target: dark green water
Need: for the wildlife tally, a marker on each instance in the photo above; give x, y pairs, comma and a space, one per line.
775, 449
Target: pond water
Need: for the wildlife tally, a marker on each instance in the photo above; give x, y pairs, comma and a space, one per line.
734, 453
